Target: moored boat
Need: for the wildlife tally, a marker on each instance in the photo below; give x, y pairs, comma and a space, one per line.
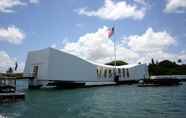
159, 82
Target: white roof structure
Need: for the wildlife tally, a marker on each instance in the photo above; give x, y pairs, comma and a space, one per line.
99, 64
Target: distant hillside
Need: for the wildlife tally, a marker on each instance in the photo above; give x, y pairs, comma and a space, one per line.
118, 63
166, 67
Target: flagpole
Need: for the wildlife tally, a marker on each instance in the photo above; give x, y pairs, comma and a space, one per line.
114, 56
116, 77
111, 32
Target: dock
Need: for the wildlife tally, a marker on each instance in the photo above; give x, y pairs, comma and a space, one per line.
11, 97
8, 92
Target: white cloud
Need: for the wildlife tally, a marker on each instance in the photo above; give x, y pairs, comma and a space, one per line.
53, 45
97, 47
116, 10
34, 1
133, 49
64, 41
152, 44
7, 5
143, 2
156, 55
5, 61
151, 41
177, 6
12, 34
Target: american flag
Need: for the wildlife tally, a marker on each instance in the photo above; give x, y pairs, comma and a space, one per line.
110, 32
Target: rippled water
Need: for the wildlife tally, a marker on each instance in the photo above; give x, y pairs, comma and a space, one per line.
101, 102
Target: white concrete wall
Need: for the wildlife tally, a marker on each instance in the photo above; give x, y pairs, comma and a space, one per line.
63, 66
39, 58
58, 65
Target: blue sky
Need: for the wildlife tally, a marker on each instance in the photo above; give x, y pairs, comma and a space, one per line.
144, 29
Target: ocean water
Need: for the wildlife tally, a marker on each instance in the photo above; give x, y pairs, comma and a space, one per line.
101, 102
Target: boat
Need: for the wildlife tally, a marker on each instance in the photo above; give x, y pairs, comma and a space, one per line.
159, 82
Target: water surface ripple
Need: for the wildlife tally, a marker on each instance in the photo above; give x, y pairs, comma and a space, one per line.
101, 102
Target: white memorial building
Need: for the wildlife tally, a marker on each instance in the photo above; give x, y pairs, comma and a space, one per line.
54, 66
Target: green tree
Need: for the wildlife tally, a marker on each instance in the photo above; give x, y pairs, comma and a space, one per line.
179, 60
167, 67
118, 63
